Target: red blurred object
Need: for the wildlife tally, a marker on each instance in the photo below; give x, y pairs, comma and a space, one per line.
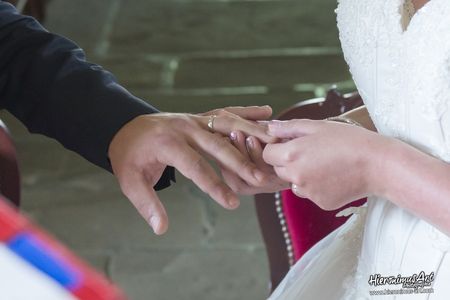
308, 223
92, 285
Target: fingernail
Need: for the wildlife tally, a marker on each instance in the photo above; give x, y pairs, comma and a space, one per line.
154, 222
233, 136
250, 142
233, 202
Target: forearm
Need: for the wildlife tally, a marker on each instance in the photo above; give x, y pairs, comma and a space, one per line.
361, 115
415, 181
46, 82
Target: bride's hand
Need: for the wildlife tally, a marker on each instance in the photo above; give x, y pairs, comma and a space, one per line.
330, 163
252, 149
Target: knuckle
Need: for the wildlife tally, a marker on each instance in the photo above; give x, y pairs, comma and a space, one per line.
143, 209
127, 189
265, 180
178, 122
237, 188
166, 140
216, 183
229, 118
197, 166
217, 190
289, 156
220, 112
299, 181
246, 165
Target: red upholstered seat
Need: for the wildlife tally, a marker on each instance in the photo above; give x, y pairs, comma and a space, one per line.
307, 223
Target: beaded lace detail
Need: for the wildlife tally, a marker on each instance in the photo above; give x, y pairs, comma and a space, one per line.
400, 62
415, 81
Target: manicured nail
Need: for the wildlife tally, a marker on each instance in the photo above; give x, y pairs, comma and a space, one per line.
233, 202
250, 142
154, 222
233, 136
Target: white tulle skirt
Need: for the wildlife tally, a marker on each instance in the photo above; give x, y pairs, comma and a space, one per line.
327, 270
381, 239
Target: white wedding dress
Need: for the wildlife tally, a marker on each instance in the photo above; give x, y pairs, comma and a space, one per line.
402, 72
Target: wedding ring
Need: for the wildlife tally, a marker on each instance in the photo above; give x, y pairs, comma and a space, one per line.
211, 123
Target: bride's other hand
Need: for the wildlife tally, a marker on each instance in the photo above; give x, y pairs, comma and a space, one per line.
330, 163
252, 149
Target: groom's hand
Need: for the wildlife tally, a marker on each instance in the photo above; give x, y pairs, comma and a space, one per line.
142, 149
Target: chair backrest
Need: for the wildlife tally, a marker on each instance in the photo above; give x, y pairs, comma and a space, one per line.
9, 169
291, 225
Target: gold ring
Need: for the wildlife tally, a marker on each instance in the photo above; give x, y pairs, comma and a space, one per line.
211, 123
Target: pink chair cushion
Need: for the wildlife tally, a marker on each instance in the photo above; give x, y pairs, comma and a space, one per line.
307, 223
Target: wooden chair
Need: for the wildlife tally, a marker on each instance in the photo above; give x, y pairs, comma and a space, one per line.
9, 170
291, 225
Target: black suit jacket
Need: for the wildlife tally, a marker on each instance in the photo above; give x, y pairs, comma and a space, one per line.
46, 82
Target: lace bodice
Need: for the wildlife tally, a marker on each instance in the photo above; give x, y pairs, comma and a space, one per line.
402, 74
401, 67
402, 71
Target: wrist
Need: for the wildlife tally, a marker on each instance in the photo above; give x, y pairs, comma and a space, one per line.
388, 155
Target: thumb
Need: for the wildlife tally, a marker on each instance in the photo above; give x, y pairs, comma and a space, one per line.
144, 198
158, 219
292, 128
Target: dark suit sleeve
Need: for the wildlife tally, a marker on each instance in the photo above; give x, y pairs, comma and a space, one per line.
46, 82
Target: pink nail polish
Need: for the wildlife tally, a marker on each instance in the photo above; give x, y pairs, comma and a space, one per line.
249, 142
233, 136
